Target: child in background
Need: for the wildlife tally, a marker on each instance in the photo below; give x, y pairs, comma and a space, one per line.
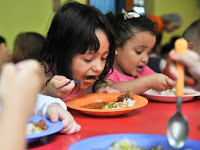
79, 44
27, 45
135, 38
192, 36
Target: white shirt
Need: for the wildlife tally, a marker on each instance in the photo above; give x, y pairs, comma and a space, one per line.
43, 103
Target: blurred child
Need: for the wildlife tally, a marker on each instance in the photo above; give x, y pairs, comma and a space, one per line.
15, 94
27, 45
135, 38
192, 36
5, 54
79, 45
18, 100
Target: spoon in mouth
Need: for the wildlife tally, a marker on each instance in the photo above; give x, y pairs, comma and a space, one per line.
177, 127
87, 80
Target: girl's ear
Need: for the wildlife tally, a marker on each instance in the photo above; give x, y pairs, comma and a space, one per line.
26, 54
117, 51
191, 45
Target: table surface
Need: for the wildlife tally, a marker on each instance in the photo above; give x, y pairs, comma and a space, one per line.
151, 119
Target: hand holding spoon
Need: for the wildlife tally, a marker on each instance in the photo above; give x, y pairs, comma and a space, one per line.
177, 127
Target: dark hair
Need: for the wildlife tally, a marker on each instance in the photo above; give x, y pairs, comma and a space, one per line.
2, 40
126, 28
169, 46
31, 42
72, 32
192, 32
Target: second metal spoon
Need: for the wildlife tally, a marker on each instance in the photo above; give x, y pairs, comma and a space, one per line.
177, 127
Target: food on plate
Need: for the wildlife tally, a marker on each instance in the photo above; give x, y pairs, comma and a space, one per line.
127, 95
169, 93
123, 104
126, 144
123, 101
38, 127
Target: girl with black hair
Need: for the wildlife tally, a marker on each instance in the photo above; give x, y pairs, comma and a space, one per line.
78, 45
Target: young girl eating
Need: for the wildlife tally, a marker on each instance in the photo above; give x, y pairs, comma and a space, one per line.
79, 45
135, 38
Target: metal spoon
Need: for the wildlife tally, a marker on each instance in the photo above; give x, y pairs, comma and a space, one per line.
177, 127
87, 80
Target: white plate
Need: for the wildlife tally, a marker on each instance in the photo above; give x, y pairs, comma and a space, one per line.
170, 98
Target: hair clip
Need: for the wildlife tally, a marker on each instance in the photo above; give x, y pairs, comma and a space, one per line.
129, 15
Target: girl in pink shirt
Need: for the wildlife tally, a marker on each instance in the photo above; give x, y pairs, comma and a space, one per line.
135, 38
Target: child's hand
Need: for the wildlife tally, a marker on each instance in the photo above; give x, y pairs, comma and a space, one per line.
160, 82
57, 87
170, 71
106, 89
56, 112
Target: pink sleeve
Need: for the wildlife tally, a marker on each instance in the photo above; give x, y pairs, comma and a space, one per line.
113, 77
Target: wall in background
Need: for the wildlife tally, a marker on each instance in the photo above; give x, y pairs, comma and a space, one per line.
25, 15
35, 15
188, 9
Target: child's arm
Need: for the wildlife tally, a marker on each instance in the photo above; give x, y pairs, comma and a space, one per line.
56, 109
43, 102
55, 112
158, 82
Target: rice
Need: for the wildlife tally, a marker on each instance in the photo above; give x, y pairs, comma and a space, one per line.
129, 102
167, 92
